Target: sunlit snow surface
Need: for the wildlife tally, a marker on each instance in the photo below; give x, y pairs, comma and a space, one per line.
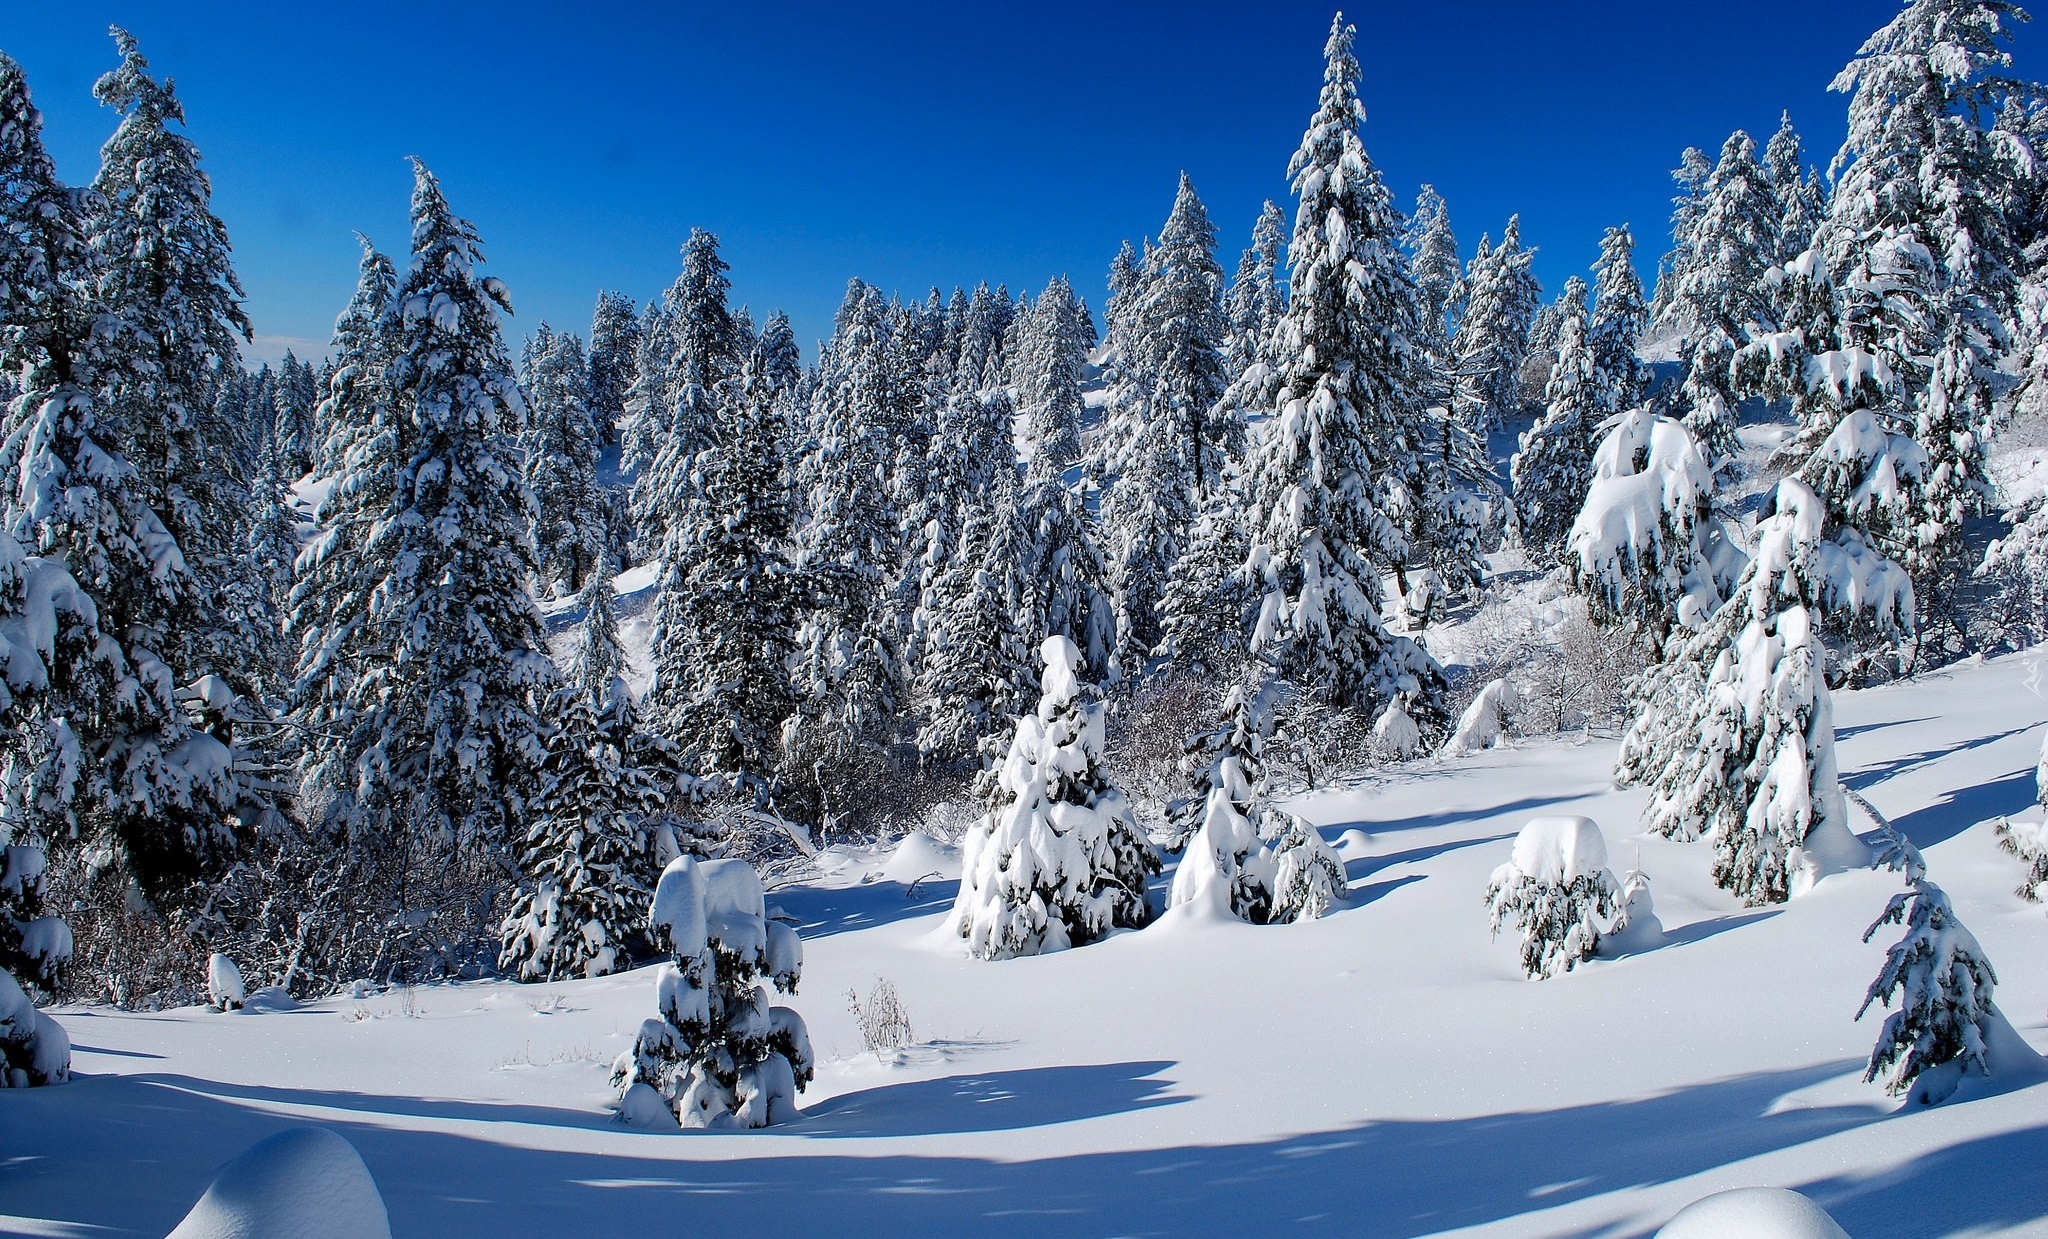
1385, 1071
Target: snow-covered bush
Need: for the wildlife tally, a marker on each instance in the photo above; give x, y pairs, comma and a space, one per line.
1554, 889
1308, 878
224, 988
1485, 722
2029, 840
719, 1055
1058, 860
1636, 927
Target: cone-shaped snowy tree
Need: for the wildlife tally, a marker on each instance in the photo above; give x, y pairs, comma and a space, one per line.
1555, 888
1058, 861
1433, 257
1346, 419
1255, 301
719, 1055
1554, 465
561, 447
614, 356
1618, 322
424, 698
1736, 739
1722, 297
1493, 332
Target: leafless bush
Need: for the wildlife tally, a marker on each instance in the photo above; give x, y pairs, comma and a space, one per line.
883, 1023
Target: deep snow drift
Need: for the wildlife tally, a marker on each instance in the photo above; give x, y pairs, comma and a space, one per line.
1383, 1071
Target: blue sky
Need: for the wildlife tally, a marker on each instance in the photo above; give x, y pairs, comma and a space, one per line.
910, 144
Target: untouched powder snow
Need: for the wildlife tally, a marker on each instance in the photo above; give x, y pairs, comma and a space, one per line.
1385, 1071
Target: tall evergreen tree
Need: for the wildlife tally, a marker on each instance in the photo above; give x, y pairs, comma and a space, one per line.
1053, 348
1618, 322
1493, 332
614, 355
1554, 465
1344, 423
561, 446
1255, 299
1723, 298
1691, 176
1433, 257
421, 686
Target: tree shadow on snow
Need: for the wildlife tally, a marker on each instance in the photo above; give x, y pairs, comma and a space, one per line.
1365, 866
1869, 776
1978, 1178
1961, 808
1714, 926
822, 912
992, 1101
1846, 733
1453, 817
1384, 1179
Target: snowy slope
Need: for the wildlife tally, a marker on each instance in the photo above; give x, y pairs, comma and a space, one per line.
1383, 1072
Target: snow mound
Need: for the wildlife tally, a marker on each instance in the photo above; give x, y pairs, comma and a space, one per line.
1353, 844
919, 856
303, 1183
1752, 1213
224, 987
1558, 849
1485, 721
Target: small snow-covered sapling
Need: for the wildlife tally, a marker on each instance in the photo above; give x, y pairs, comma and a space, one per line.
1553, 888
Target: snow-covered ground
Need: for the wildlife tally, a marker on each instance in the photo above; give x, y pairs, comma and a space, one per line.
1385, 1071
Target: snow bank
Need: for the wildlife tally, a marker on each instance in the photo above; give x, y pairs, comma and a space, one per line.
1752, 1213
919, 856
303, 1183
1483, 723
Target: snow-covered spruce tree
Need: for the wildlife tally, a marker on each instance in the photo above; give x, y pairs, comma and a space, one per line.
1554, 889
1691, 176
171, 310
1345, 421
585, 871
725, 616
361, 349
420, 686
614, 354
1255, 300
1439, 280
849, 674
1493, 332
1553, 467
1054, 337
1736, 736
1946, 1023
2028, 841
1802, 201
293, 404
1922, 251
1058, 861
53, 662
1618, 322
1723, 298
672, 404
720, 1055
1644, 548
978, 669
561, 446
1205, 610
128, 776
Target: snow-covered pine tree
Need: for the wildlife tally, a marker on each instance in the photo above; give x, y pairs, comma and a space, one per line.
1723, 298
720, 1055
1619, 320
561, 446
849, 674
361, 349
129, 775
1255, 299
1493, 332
1553, 467
586, 870
1923, 254
673, 402
1433, 257
1205, 610
292, 407
1946, 1022
1217, 820
1346, 418
420, 685
1645, 550
1554, 888
1691, 176
1058, 861
171, 308
614, 354
725, 616
1736, 735
1053, 342
1802, 202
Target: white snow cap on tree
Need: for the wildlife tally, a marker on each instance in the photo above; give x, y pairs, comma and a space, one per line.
1553, 887
1059, 860
1484, 722
224, 988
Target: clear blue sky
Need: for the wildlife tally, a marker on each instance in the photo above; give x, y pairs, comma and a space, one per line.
910, 144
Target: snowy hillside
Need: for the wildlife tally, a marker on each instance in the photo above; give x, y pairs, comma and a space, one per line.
1384, 1071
